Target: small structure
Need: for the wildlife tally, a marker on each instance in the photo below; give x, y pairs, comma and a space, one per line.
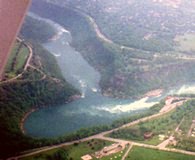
86, 157
161, 137
114, 148
169, 100
148, 135
172, 141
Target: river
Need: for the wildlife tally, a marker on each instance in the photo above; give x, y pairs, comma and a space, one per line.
93, 108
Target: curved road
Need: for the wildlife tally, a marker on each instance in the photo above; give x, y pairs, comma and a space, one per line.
27, 65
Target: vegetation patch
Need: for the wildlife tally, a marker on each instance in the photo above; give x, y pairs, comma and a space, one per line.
161, 127
73, 152
185, 43
184, 135
140, 153
17, 60
37, 30
32, 90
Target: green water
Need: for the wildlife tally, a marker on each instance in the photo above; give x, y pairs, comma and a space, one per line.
92, 109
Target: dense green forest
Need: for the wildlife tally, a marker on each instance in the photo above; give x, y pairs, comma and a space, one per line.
37, 30
30, 91
41, 85
124, 72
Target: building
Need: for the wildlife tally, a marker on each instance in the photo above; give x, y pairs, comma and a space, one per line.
148, 135
86, 157
114, 148
12, 14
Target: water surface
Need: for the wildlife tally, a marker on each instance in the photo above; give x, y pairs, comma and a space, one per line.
93, 108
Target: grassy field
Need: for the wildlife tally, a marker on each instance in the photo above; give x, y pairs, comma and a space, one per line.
186, 42
139, 153
116, 156
76, 151
17, 60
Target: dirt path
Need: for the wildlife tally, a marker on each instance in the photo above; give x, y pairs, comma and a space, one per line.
30, 56
27, 65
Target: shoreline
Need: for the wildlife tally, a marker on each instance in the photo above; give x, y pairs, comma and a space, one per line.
28, 113
25, 116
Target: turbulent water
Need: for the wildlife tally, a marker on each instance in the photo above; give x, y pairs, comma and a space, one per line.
92, 109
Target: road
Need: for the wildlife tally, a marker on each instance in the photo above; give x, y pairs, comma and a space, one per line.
27, 65
103, 37
167, 108
29, 58
102, 136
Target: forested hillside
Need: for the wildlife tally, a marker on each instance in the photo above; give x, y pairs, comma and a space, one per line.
126, 70
41, 85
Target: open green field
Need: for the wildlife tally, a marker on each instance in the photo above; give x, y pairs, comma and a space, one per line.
75, 151
139, 153
17, 60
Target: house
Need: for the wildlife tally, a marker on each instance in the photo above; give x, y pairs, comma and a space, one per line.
148, 135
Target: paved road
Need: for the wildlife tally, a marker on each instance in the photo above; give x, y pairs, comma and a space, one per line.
102, 136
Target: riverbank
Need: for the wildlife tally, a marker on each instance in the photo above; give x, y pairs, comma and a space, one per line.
26, 115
